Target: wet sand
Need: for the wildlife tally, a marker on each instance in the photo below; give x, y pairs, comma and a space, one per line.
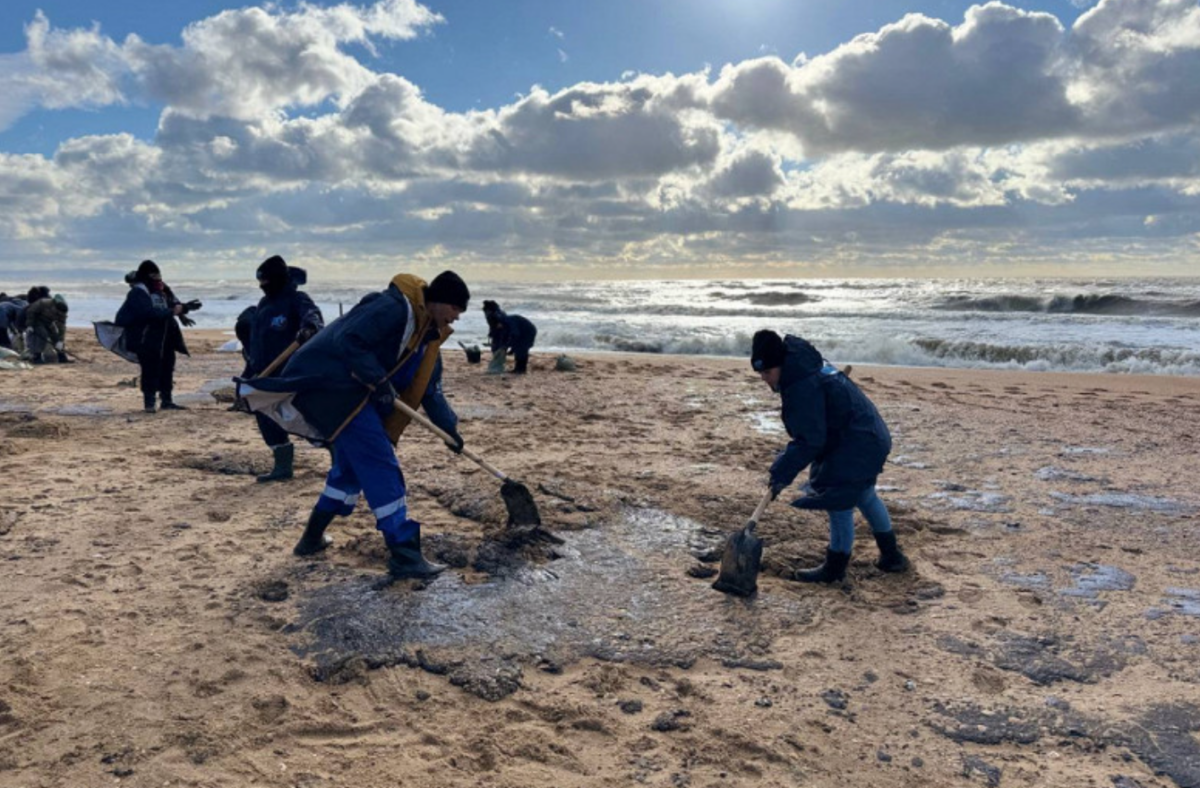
155, 628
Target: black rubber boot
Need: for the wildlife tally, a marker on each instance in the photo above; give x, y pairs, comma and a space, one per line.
284, 457
168, 404
407, 562
148, 403
832, 571
890, 557
314, 539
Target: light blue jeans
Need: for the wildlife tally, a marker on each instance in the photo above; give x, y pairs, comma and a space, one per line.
841, 523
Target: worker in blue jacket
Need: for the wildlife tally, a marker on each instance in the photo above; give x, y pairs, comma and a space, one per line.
285, 314
838, 434
340, 389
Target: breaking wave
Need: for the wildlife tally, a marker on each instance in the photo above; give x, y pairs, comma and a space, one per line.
769, 298
1110, 304
919, 352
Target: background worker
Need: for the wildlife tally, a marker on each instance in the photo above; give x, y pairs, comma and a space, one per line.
46, 330
509, 333
837, 432
148, 317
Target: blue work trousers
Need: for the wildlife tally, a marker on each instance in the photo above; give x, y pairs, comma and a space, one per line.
364, 461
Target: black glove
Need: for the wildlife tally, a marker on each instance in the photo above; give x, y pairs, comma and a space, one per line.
192, 306
776, 488
458, 441
384, 399
187, 321
306, 333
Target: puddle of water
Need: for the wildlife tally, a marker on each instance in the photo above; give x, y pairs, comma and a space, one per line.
1032, 580
971, 501
80, 409
1090, 579
617, 593
1052, 474
1129, 501
766, 422
1185, 601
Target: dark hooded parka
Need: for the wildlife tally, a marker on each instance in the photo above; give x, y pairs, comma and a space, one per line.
147, 315
283, 314
833, 427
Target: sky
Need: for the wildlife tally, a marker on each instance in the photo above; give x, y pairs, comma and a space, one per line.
563, 139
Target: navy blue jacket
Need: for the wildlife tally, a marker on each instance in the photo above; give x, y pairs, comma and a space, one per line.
834, 428
150, 327
333, 371
267, 329
512, 332
12, 314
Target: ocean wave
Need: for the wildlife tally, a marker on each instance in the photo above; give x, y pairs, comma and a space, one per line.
1108, 304
768, 298
1065, 357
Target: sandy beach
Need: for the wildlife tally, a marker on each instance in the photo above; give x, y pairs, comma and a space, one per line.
156, 630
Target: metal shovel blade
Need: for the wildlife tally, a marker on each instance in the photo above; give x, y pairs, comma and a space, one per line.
522, 511
740, 563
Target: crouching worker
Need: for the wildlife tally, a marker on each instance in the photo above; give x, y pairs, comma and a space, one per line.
837, 432
46, 319
509, 333
284, 315
340, 389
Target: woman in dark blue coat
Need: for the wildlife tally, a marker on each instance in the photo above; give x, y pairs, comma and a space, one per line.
838, 434
151, 331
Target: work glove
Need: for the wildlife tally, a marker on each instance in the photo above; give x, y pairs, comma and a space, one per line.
776, 488
384, 399
458, 441
306, 333
192, 306
187, 321
59, 346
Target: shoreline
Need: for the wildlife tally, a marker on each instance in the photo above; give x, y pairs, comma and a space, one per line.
1121, 381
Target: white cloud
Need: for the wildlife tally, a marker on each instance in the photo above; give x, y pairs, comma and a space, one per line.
922, 139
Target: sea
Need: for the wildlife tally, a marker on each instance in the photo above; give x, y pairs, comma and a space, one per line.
1143, 326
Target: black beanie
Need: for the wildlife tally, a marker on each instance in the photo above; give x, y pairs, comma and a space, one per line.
147, 269
448, 288
273, 269
767, 352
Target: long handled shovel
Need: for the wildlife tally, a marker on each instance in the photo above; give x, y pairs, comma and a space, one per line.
743, 556
524, 521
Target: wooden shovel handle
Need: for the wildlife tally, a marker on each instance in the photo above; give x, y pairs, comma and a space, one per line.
758, 510
277, 363
429, 425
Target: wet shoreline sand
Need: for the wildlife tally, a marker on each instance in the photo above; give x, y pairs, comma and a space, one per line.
156, 628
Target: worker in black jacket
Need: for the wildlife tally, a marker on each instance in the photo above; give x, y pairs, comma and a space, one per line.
284, 315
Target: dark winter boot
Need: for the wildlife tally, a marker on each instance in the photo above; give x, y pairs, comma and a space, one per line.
314, 539
890, 557
148, 403
407, 562
284, 455
832, 571
169, 404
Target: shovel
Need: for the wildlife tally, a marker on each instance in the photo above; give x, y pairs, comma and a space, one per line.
743, 556
524, 521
